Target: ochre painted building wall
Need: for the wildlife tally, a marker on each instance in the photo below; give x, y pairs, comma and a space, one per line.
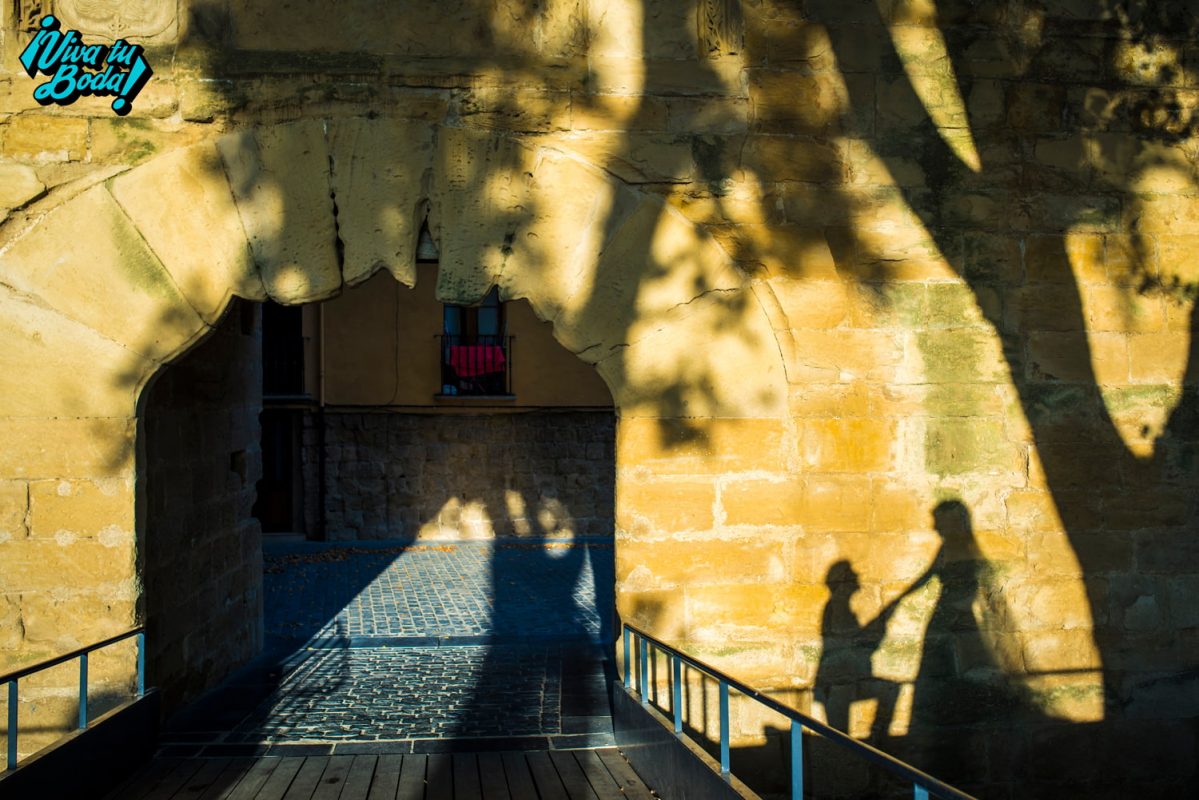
381, 349
894, 300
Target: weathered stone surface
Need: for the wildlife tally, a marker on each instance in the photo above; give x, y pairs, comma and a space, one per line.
55, 448
151, 24
38, 139
661, 373
465, 477
134, 140
18, 185
631, 278
280, 180
705, 561
381, 172
553, 254
360, 28
764, 502
69, 510
526, 110
699, 447
207, 275
37, 565
14, 510
861, 445
480, 199
639, 158
53, 365
646, 507
85, 259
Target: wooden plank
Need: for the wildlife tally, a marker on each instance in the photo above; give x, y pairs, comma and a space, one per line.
176, 778
358, 782
466, 777
412, 778
334, 778
280, 781
145, 779
491, 777
549, 785
387, 778
210, 769
630, 783
307, 779
601, 780
520, 781
577, 786
439, 778
229, 778
254, 779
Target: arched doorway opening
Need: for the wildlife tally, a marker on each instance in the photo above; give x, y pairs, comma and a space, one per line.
146, 265
418, 526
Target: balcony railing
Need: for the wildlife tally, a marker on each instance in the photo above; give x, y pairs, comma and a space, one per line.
475, 366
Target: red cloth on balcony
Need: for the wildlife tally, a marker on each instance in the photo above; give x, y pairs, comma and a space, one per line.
469, 360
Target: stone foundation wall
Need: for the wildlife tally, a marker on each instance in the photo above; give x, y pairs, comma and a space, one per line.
465, 476
202, 553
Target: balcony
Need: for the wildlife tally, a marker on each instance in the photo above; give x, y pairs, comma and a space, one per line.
475, 366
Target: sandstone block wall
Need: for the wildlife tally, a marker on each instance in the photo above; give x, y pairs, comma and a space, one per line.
201, 548
466, 476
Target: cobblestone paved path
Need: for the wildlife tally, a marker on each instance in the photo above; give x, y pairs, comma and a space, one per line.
509, 589
388, 648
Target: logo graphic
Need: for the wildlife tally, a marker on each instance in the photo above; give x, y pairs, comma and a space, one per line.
76, 68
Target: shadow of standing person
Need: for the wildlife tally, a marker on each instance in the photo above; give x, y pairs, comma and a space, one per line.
961, 677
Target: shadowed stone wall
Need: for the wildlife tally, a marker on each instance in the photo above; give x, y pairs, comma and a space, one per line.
467, 476
202, 548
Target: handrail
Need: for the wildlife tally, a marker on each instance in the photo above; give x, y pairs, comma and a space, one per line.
81, 653
54, 662
923, 783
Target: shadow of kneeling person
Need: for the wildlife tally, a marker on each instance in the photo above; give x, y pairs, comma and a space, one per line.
845, 674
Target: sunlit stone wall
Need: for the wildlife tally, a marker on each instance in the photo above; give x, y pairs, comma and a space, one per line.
894, 300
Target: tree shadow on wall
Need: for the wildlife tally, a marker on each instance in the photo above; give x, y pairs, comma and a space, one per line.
1121, 511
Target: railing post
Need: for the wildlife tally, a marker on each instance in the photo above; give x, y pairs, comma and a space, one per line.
724, 728
628, 659
919, 792
796, 760
676, 700
12, 724
643, 648
83, 691
141, 665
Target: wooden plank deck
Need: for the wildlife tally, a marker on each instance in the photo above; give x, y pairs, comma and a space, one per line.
566, 774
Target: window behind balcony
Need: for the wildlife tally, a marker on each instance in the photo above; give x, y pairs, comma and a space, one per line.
476, 356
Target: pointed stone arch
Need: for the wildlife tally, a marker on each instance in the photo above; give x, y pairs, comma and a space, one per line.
115, 282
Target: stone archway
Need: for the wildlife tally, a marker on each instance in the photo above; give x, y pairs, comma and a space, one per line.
115, 282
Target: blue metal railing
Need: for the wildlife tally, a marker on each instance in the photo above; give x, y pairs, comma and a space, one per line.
12, 679
923, 785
